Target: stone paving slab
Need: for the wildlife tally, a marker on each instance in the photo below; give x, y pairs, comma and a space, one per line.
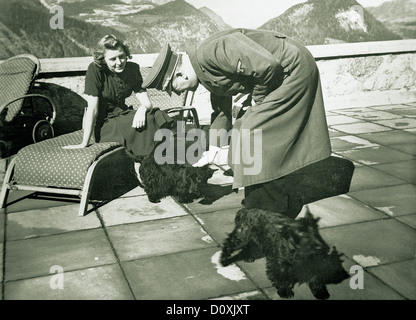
138, 209
412, 130
409, 148
340, 210
373, 243
75, 250
360, 127
405, 170
98, 283
365, 178
48, 221
159, 237
400, 275
353, 111
387, 138
335, 133
391, 107
409, 219
375, 155
192, 275
371, 115
401, 123
393, 200
350, 142
406, 112
340, 119
218, 224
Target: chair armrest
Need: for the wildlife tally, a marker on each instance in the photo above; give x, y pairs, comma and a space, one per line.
52, 120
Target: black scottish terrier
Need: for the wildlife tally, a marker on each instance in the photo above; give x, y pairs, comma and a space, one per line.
182, 181
294, 250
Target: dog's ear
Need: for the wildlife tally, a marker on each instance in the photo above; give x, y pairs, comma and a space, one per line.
309, 217
205, 171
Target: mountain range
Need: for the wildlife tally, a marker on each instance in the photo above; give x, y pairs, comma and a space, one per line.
147, 25
330, 21
399, 16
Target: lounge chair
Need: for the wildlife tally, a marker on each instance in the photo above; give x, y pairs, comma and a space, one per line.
46, 167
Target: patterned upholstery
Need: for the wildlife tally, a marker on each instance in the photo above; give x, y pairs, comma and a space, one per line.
16, 76
47, 164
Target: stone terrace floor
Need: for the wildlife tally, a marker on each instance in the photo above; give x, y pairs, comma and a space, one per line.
130, 248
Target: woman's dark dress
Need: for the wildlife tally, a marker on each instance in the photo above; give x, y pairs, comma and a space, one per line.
115, 118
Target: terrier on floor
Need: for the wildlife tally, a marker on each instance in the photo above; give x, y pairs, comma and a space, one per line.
182, 181
294, 250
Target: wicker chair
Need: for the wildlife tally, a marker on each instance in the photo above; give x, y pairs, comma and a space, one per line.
23, 116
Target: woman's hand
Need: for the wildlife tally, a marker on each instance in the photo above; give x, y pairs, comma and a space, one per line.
139, 119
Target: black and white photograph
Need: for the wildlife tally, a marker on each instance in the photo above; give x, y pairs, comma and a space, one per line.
208, 158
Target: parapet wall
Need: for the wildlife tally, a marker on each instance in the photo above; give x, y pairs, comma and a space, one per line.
352, 75
369, 73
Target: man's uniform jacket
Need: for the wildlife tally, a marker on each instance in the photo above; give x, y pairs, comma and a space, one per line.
284, 81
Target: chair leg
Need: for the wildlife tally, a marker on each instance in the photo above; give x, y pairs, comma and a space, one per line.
83, 205
89, 179
86, 190
5, 187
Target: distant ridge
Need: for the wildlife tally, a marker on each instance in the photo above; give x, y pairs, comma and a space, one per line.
330, 21
215, 17
399, 16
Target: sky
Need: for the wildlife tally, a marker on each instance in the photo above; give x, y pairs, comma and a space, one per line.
252, 13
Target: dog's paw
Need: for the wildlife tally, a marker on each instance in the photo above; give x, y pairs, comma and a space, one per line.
249, 260
286, 293
225, 261
154, 200
185, 200
319, 291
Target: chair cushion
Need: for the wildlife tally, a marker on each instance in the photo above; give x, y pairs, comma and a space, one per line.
16, 75
47, 164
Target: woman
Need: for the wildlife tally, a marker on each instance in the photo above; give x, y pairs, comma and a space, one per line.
109, 80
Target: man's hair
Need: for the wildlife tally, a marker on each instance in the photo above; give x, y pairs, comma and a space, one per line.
109, 42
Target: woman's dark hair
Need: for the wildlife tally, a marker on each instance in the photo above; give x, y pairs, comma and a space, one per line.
109, 42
